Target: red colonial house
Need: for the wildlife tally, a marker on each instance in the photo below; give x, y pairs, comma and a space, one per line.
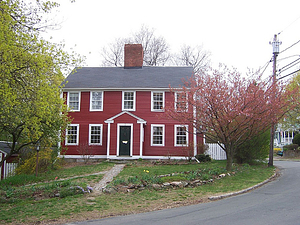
118, 112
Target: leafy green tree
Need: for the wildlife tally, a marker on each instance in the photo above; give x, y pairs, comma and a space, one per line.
32, 110
257, 148
292, 117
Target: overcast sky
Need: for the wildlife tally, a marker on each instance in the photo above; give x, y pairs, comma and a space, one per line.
237, 33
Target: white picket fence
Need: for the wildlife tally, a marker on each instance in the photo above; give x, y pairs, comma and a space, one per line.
9, 169
216, 152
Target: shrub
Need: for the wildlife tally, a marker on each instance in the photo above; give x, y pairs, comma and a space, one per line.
290, 147
296, 139
203, 158
202, 148
255, 149
46, 162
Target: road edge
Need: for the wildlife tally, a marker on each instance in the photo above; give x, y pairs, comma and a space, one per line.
275, 175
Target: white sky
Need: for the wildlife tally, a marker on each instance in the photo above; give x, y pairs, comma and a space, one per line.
236, 32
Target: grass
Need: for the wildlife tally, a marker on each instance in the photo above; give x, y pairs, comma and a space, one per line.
53, 175
15, 209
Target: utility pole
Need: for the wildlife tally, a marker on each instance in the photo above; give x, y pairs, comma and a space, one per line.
275, 43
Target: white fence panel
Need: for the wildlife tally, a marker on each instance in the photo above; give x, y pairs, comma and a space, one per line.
216, 152
9, 169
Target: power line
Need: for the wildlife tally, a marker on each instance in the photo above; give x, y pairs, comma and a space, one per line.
267, 64
290, 65
288, 74
290, 46
289, 25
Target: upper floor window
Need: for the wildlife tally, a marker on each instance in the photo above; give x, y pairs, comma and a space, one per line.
95, 134
157, 100
181, 135
157, 135
73, 101
72, 134
181, 103
128, 100
96, 101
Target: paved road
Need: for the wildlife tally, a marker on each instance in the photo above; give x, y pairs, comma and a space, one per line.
277, 202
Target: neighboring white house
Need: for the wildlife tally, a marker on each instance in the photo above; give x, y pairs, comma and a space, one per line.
284, 136
9, 166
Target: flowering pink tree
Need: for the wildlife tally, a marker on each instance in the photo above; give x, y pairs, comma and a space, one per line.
229, 108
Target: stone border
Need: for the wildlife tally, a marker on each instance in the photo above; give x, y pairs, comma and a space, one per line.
212, 198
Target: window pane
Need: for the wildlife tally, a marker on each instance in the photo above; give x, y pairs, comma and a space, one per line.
157, 135
128, 96
128, 105
74, 101
181, 102
181, 136
72, 135
97, 100
128, 100
97, 96
95, 135
157, 101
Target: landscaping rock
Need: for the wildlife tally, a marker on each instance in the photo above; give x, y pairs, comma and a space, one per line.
177, 184
166, 184
184, 183
110, 190
156, 186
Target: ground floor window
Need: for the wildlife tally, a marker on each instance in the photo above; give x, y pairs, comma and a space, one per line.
157, 135
95, 134
72, 134
181, 135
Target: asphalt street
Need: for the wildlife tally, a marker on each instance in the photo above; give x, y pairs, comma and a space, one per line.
277, 202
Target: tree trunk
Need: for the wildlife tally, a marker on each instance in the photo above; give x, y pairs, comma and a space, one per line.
229, 156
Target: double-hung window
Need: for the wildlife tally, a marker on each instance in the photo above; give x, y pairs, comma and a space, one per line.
96, 101
128, 100
95, 134
72, 134
181, 135
73, 101
157, 135
157, 100
181, 103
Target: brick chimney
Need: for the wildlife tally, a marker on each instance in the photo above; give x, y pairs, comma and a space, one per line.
133, 56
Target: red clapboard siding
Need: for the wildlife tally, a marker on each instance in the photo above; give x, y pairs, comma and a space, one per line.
112, 106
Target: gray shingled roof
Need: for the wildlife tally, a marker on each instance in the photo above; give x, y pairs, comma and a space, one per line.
118, 77
4, 147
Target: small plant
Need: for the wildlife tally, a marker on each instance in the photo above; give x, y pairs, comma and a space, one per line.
203, 158
133, 180
216, 171
188, 152
192, 175
119, 181
85, 151
205, 176
70, 191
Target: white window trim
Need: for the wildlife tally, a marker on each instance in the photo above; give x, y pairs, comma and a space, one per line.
79, 99
91, 99
175, 135
152, 101
77, 136
175, 102
90, 136
134, 100
163, 134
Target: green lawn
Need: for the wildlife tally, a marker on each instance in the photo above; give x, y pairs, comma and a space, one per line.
37, 202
